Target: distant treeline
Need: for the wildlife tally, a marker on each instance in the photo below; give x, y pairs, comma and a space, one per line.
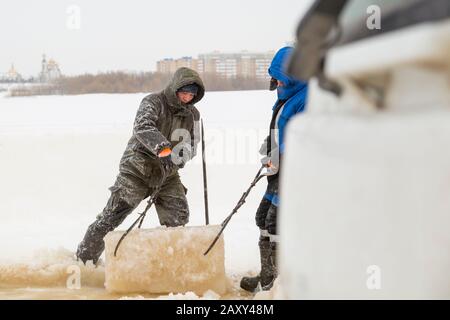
122, 82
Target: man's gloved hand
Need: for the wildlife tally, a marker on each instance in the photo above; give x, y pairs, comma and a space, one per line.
271, 168
166, 161
265, 161
269, 164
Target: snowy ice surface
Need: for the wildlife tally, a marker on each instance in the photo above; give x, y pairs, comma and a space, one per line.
208, 295
59, 155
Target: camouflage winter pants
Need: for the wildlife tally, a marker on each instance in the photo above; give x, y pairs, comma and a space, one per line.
128, 191
126, 194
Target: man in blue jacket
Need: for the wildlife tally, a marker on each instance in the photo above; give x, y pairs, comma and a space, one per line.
291, 100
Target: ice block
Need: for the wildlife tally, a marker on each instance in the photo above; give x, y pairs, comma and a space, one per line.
165, 260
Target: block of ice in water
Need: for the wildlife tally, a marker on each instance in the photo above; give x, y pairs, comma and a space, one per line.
165, 260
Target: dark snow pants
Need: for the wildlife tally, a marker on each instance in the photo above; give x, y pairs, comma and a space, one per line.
126, 194
266, 220
266, 215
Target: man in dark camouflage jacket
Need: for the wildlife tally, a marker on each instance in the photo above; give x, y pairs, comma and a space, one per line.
165, 136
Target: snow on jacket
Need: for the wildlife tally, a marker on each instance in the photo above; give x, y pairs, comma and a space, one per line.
158, 117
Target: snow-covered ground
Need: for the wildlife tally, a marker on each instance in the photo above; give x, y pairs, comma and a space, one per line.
59, 155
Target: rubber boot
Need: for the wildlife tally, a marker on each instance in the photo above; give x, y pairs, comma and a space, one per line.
252, 283
270, 272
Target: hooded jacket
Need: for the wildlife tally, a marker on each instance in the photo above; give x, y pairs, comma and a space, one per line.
291, 100
291, 97
157, 125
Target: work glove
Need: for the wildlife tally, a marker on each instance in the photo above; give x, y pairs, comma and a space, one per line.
272, 162
165, 158
267, 162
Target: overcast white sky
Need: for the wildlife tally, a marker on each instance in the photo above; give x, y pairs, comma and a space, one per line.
134, 34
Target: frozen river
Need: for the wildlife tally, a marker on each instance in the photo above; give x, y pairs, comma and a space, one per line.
59, 155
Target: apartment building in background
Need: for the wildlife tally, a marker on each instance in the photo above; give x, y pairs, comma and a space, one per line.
244, 64
170, 65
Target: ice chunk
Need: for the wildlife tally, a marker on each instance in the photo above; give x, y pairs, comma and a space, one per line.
51, 268
165, 260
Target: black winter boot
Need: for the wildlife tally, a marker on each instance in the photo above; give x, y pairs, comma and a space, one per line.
265, 276
271, 271
112, 216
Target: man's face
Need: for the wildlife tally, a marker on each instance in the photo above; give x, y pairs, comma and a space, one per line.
280, 83
185, 97
274, 83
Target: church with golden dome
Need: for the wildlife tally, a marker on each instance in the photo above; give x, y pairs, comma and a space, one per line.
49, 70
11, 75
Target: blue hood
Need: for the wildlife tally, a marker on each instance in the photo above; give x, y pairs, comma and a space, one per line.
294, 92
277, 70
294, 95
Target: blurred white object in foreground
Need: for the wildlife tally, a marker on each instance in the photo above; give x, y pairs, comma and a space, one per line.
365, 195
